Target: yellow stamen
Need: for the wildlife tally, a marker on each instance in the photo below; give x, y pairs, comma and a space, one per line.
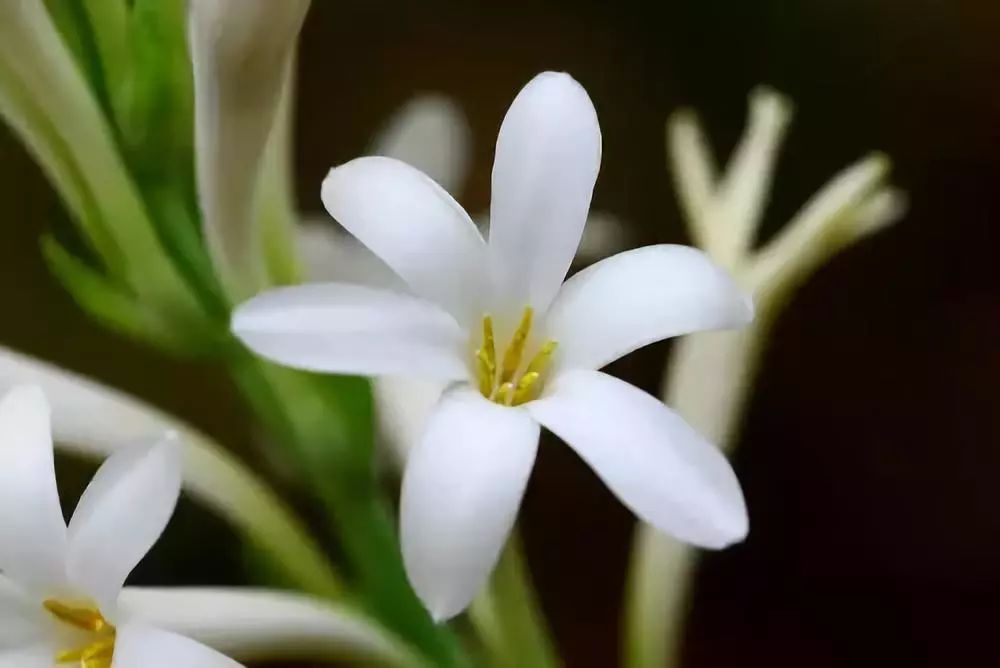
85, 618
486, 358
98, 653
525, 387
505, 394
540, 362
512, 358
515, 383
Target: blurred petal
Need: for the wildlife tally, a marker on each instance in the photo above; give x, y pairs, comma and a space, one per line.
743, 191
32, 528
461, 490
139, 646
332, 255
259, 625
240, 51
121, 515
343, 328
21, 620
547, 158
404, 405
656, 464
414, 226
694, 173
638, 297
430, 133
804, 241
33, 656
605, 234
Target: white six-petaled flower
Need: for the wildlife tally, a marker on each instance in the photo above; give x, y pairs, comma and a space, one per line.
59, 585
520, 348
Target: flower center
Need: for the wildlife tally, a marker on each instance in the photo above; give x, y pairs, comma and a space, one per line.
512, 382
100, 633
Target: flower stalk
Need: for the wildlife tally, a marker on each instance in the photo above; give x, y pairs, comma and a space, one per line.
710, 374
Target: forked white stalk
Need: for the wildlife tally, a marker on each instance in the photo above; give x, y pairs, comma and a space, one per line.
710, 374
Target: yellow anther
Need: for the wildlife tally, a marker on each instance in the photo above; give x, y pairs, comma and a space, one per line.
505, 394
515, 351
540, 362
85, 618
525, 388
96, 654
486, 359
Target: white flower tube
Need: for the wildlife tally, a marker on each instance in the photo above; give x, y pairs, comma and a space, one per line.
241, 51
261, 625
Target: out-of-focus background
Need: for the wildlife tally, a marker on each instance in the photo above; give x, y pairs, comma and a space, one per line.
871, 450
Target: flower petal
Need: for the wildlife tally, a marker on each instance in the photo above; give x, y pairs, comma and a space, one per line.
331, 255
34, 656
547, 158
461, 490
121, 515
640, 296
342, 328
21, 622
430, 133
656, 464
138, 646
404, 405
414, 226
32, 528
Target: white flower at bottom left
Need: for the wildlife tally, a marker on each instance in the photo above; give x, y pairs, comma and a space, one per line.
59, 585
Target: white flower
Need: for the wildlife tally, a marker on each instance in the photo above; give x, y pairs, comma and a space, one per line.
59, 586
519, 348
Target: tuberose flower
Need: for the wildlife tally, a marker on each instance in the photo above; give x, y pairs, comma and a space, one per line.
519, 347
59, 585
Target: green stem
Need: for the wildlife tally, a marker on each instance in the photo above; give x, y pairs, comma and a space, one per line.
331, 441
509, 619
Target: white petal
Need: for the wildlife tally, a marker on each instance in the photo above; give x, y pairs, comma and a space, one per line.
32, 528
121, 515
33, 656
342, 328
258, 625
330, 255
461, 490
139, 646
404, 405
656, 464
640, 296
414, 226
430, 133
547, 158
21, 620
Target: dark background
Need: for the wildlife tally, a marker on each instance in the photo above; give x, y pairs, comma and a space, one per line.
871, 450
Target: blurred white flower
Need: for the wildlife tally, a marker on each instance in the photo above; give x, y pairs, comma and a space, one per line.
519, 348
60, 585
241, 52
